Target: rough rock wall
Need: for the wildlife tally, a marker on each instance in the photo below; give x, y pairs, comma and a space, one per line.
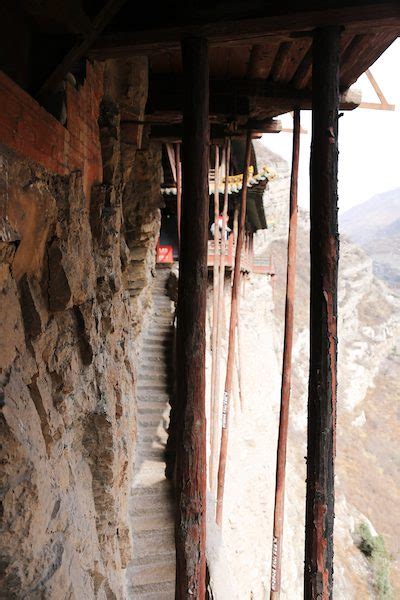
142, 225
67, 365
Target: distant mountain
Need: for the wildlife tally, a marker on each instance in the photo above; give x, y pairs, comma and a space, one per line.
375, 226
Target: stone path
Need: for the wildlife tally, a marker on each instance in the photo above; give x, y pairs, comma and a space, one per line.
151, 574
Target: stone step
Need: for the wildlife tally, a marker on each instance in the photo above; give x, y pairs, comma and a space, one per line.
157, 343
161, 324
150, 522
160, 281
160, 331
161, 355
151, 450
151, 574
161, 294
157, 557
152, 509
152, 407
144, 542
149, 373
162, 304
155, 377
155, 358
161, 313
152, 386
160, 502
153, 591
149, 370
162, 346
147, 396
160, 336
158, 572
163, 486
150, 420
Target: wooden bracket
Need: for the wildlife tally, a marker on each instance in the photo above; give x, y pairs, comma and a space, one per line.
383, 104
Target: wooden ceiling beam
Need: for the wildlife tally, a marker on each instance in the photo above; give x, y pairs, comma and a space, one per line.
289, 58
81, 47
356, 18
361, 53
261, 59
241, 99
302, 77
173, 133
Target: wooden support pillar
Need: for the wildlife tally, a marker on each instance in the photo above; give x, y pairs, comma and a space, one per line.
231, 342
234, 235
215, 412
178, 188
190, 529
215, 320
324, 246
286, 369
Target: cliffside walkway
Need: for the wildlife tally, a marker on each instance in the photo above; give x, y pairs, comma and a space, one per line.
151, 575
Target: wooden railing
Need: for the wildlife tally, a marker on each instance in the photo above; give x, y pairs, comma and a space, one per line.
250, 263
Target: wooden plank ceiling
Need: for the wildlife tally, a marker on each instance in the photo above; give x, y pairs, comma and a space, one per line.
260, 54
260, 51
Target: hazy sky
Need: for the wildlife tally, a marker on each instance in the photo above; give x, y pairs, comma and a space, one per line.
369, 140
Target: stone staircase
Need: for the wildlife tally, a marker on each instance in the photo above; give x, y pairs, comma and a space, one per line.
151, 574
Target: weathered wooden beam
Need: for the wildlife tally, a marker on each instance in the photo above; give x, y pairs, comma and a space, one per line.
324, 246
303, 73
215, 413
190, 530
262, 107
215, 326
79, 50
253, 97
223, 454
178, 187
377, 106
361, 53
276, 563
289, 58
173, 133
245, 28
261, 59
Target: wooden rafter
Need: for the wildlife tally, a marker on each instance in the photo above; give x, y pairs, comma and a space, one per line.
81, 47
249, 30
383, 104
255, 99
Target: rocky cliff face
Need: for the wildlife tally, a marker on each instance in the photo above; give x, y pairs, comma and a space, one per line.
68, 347
375, 227
367, 460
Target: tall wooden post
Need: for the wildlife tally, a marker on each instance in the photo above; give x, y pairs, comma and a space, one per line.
215, 317
191, 485
286, 368
324, 245
178, 187
231, 342
220, 323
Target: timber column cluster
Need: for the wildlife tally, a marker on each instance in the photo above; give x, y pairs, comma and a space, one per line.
324, 247
191, 315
